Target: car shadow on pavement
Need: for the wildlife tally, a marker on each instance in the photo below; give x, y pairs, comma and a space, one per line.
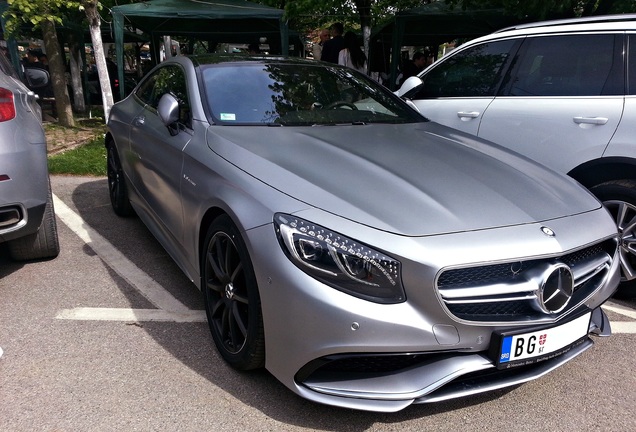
7, 265
192, 344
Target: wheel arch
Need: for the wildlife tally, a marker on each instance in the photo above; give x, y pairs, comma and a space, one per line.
209, 216
207, 219
601, 170
108, 139
247, 207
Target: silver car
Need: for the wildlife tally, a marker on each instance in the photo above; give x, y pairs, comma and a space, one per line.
367, 257
27, 218
565, 91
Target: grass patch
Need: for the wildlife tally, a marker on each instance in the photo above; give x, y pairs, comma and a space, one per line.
88, 159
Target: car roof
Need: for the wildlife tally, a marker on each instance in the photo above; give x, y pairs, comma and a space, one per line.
591, 23
199, 60
601, 23
627, 21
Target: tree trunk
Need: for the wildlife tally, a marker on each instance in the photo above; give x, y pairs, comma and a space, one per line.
75, 62
58, 74
100, 58
364, 9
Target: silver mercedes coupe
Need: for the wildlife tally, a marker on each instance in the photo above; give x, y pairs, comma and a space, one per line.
365, 256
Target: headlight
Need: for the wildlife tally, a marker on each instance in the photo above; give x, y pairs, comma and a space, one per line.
339, 261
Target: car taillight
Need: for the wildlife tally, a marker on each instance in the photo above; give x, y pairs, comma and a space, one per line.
7, 107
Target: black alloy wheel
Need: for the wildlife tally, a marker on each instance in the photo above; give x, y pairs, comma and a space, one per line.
117, 184
232, 301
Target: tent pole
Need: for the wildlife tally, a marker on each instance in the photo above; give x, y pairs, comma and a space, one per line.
118, 24
398, 34
284, 38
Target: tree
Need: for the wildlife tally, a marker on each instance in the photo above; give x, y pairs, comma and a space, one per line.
75, 62
94, 23
306, 15
45, 15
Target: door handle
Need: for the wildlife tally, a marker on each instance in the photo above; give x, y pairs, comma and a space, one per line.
591, 120
467, 114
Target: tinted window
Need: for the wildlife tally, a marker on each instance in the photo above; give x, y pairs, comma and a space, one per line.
168, 79
632, 65
577, 65
6, 66
298, 94
145, 92
475, 71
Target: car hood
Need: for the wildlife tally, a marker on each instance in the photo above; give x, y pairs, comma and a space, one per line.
411, 179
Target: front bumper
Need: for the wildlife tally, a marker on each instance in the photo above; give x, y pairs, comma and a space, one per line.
431, 377
335, 349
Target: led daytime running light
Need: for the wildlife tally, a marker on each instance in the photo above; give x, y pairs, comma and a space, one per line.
340, 261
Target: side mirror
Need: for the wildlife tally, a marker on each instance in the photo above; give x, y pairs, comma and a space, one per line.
409, 84
36, 78
168, 110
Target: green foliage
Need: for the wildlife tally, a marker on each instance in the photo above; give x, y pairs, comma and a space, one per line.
307, 15
88, 159
34, 12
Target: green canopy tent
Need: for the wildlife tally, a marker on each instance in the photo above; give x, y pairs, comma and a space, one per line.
235, 21
432, 25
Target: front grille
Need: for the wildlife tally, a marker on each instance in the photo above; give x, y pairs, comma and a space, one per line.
509, 292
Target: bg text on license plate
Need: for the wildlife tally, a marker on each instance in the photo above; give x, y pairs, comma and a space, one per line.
538, 345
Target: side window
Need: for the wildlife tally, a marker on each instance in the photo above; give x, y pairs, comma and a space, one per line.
473, 72
568, 65
632, 64
7, 67
168, 79
145, 91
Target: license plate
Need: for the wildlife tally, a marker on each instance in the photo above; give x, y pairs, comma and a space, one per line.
526, 348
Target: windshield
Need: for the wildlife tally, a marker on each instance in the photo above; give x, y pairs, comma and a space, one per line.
289, 94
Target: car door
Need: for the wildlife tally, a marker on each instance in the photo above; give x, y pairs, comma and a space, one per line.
623, 142
158, 153
457, 90
563, 100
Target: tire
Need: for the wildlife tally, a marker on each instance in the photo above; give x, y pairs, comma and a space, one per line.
231, 297
619, 197
44, 244
117, 188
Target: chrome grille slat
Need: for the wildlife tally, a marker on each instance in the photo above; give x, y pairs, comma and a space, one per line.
488, 290
490, 300
587, 269
510, 292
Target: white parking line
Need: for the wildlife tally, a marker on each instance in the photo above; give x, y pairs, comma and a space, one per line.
626, 327
614, 307
119, 314
169, 308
